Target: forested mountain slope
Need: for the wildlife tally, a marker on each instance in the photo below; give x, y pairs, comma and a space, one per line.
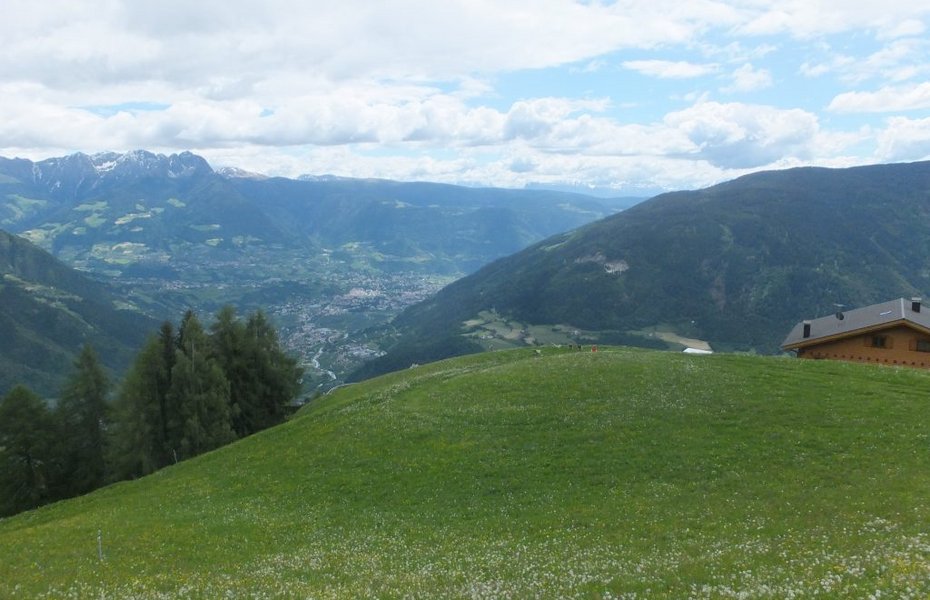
736, 264
48, 311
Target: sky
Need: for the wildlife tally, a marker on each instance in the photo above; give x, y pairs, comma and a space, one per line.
632, 97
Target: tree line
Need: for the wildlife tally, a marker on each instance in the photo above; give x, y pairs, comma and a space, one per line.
189, 390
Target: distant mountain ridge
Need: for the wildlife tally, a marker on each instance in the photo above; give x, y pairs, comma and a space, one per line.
736, 264
80, 174
70, 204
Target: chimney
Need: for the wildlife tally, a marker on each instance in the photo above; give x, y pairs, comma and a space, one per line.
807, 329
915, 304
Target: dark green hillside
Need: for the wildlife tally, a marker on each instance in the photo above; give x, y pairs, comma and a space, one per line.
736, 264
48, 311
621, 473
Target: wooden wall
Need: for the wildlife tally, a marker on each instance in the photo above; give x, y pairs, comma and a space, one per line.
900, 348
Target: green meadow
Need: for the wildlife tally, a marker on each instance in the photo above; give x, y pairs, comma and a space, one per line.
614, 474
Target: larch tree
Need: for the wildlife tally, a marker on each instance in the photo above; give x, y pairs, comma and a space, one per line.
276, 376
139, 438
84, 415
198, 398
228, 339
169, 345
263, 379
28, 467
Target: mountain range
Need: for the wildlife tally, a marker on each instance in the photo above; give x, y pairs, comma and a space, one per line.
733, 266
323, 255
730, 267
140, 211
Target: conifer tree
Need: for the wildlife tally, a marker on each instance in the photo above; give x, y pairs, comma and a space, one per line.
27, 452
192, 392
139, 440
263, 379
83, 413
168, 347
198, 398
276, 376
228, 338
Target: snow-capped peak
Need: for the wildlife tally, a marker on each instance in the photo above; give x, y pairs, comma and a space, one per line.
237, 173
104, 161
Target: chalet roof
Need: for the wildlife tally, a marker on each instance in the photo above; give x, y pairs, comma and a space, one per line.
859, 320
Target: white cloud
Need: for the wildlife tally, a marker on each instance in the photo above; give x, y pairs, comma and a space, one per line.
739, 135
417, 89
737, 52
904, 139
666, 69
749, 79
896, 61
886, 99
95, 42
906, 28
835, 64
592, 66
806, 19
538, 118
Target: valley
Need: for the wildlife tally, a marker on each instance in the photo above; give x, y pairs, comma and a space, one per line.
366, 276
326, 258
325, 326
317, 302
574, 299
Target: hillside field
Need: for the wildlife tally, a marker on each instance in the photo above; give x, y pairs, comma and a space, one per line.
622, 473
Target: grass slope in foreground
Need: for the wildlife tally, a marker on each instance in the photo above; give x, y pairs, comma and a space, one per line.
623, 473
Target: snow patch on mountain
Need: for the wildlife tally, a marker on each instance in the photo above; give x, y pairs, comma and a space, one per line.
104, 161
237, 173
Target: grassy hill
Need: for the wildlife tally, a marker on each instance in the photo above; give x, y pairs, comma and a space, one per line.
624, 473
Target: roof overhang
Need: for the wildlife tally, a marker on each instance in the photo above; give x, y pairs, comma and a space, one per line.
816, 341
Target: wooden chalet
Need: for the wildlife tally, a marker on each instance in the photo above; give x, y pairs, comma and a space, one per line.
896, 332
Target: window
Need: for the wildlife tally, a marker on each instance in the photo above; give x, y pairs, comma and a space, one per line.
923, 346
879, 341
